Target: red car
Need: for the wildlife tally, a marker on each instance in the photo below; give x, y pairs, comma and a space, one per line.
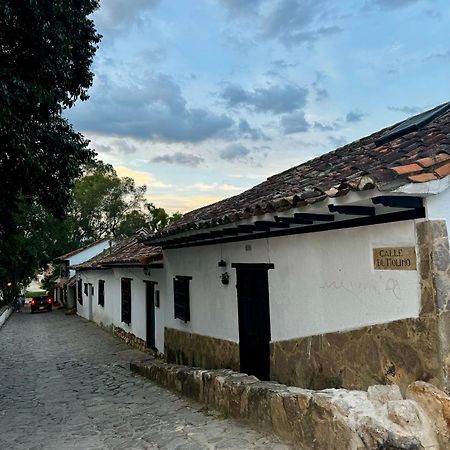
42, 303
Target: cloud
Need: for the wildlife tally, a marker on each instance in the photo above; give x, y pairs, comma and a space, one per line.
354, 116
337, 141
276, 99
323, 126
437, 56
297, 22
295, 123
405, 109
247, 131
140, 177
117, 16
234, 152
240, 7
179, 158
153, 108
225, 187
390, 4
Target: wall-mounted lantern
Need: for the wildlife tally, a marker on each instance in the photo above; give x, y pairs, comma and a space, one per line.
225, 278
147, 271
222, 263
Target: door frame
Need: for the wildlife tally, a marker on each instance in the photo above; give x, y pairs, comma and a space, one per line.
265, 305
150, 317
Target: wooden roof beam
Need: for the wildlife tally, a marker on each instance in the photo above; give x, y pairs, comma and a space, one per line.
396, 201
293, 220
353, 210
315, 217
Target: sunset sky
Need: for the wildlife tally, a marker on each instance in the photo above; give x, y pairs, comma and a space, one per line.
200, 100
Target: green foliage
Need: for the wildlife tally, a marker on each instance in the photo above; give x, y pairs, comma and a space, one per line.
102, 201
46, 50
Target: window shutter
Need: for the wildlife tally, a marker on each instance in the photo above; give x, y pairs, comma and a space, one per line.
181, 298
101, 292
126, 300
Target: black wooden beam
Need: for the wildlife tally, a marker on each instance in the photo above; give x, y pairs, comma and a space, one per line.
353, 210
293, 220
395, 201
315, 217
230, 231
215, 234
271, 224
246, 228
407, 214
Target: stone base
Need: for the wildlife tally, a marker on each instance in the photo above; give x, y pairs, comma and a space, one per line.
399, 352
196, 350
333, 419
131, 339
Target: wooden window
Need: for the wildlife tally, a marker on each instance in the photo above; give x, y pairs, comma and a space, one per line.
126, 300
80, 292
101, 292
181, 298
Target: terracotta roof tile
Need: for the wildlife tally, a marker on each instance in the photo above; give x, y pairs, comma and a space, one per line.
443, 171
423, 177
385, 160
409, 168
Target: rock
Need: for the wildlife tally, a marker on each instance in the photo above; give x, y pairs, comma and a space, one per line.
436, 404
381, 394
404, 413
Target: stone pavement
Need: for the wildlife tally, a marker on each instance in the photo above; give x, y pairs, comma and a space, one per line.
66, 384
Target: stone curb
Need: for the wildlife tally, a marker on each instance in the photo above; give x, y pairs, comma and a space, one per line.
5, 313
329, 419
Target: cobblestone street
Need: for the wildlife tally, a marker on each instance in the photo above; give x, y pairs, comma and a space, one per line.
66, 384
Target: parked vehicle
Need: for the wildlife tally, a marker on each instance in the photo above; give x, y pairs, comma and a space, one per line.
41, 303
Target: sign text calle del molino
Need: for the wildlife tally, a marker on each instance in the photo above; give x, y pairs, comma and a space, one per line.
394, 258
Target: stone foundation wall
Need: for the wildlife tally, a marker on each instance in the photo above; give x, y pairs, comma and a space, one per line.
131, 339
193, 349
333, 419
399, 352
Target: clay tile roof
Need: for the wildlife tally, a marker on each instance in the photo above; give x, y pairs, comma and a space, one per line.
128, 251
415, 150
79, 250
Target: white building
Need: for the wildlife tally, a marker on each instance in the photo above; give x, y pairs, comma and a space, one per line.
119, 289
332, 273
65, 289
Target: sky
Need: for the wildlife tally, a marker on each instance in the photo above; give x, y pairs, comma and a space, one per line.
202, 99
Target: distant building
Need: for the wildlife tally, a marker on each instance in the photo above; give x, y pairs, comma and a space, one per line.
65, 280
119, 289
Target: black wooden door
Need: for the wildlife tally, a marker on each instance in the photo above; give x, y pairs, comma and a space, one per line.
150, 301
254, 320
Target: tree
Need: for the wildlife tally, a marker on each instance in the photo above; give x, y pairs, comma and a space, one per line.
159, 218
106, 205
46, 50
102, 201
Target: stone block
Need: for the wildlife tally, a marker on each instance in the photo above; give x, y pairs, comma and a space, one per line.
436, 405
381, 393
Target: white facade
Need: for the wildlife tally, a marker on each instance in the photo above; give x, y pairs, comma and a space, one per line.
110, 314
321, 282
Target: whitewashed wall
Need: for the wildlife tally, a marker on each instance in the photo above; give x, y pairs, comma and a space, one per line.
322, 282
438, 206
110, 314
87, 254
